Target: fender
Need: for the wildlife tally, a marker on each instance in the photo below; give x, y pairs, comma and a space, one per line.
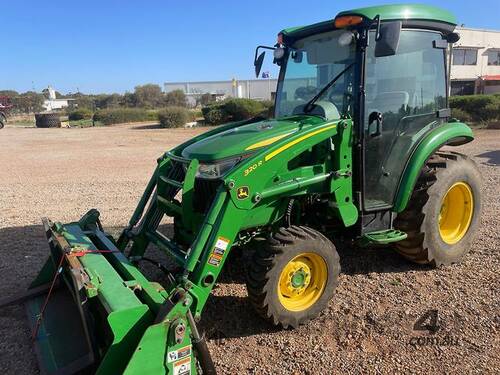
453, 133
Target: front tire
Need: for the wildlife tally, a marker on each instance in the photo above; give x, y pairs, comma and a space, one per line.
292, 278
443, 214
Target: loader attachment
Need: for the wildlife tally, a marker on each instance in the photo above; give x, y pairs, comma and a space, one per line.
92, 311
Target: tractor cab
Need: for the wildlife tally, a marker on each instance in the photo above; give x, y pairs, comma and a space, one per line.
384, 67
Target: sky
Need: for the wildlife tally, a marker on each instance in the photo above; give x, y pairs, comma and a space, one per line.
112, 46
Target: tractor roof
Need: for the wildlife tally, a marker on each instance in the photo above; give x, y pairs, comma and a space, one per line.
404, 12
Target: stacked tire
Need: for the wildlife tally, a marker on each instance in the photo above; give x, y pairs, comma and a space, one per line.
3, 120
47, 120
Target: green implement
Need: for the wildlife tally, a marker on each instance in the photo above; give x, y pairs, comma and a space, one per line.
353, 153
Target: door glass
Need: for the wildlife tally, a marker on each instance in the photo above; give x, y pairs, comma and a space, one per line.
407, 89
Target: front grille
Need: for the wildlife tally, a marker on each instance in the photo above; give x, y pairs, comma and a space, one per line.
204, 189
204, 193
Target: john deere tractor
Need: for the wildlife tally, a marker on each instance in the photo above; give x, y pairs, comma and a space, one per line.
354, 151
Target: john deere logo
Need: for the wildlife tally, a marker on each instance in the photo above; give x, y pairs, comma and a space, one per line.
242, 192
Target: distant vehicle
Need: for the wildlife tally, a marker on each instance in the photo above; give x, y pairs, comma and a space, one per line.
5, 105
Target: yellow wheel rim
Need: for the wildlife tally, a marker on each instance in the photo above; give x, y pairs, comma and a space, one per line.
302, 281
456, 212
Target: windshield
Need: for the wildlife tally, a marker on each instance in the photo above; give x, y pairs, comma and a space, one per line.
312, 63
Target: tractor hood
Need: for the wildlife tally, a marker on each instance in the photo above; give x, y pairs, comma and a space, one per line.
246, 139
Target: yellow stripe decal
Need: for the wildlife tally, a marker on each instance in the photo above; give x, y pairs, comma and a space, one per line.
267, 142
295, 141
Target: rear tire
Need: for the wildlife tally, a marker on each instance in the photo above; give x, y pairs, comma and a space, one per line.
47, 120
443, 214
292, 278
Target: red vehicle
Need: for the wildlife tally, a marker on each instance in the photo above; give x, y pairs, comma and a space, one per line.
5, 105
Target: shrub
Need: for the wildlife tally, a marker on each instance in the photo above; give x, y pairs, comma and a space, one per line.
479, 107
123, 115
215, 115
196, 114
268, 108
80, 114
173, 117
176, 98
461, 115
236, 109
492, 110
243, 109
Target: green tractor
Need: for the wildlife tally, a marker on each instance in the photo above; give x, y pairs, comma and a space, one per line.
354, 151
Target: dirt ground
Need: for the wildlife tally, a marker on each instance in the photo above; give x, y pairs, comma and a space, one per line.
367, 327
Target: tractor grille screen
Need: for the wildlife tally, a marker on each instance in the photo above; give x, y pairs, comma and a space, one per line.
204, 190
204, 194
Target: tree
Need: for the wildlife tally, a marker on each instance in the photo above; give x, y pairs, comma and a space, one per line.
129, 100
9, 93
148, 96
175, 98
108, 101
84, 101
28, 102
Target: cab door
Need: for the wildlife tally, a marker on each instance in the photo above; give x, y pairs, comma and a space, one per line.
403, 94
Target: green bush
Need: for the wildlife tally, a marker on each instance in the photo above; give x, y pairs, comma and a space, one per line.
236, 109
174, 117
479, 107
215, 114
123, 115
492, 110
243, 109
196, 113
461, 115
80, 114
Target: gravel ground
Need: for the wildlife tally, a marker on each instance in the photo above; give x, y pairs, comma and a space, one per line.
367, 327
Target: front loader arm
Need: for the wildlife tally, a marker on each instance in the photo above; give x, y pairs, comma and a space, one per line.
156, 332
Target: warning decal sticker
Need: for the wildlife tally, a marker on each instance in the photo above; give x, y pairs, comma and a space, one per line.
182, 367
174, 355
218, 251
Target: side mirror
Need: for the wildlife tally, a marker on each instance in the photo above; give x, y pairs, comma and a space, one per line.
258, 63
377, 118
453, 37
387, 40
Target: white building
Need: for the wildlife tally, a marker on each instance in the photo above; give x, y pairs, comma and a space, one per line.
475, 63
260, 89
52, 103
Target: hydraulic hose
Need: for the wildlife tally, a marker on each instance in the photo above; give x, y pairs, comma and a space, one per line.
200, 345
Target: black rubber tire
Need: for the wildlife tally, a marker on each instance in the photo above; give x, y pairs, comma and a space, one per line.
267, 263
3, 120
419, 220
47, 120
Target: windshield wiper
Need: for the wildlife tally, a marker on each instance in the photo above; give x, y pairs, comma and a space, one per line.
309, 105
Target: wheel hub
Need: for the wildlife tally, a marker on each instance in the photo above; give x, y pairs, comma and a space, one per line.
297, 278
456, 211
302, 281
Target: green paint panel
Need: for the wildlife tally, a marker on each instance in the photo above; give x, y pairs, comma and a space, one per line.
386, 12
404, 12
113, 294
452, 133
127, 327
238, 140
149, 356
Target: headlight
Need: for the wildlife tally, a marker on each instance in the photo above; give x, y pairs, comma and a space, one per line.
216, 170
